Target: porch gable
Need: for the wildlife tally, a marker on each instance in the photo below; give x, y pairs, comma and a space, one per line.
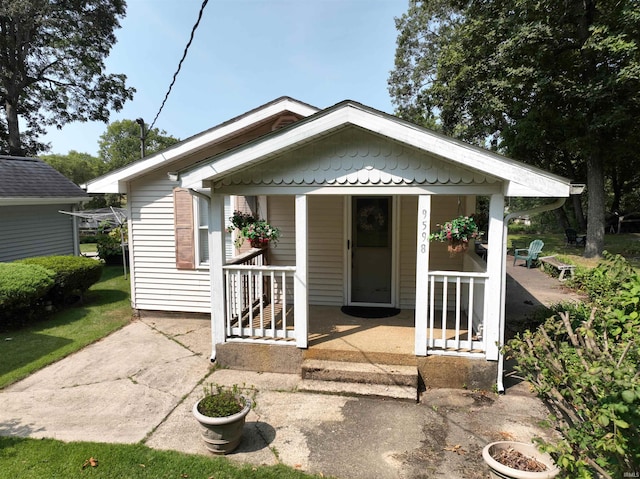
353, 156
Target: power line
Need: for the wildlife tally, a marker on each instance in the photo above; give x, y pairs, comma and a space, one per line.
184, 55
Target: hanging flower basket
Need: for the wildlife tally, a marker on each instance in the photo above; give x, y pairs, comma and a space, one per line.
257, 231
456, 246
457, 233
259, 243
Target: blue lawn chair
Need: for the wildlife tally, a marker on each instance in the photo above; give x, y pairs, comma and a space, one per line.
529, 254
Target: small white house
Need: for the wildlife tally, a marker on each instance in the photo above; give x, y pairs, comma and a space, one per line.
31, 195
356, 193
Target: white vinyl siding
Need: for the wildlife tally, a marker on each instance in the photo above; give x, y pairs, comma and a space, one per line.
37, 230
157, 283
326, 250
280, 213
326, 237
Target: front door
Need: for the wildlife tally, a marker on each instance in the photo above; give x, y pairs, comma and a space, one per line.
371, 250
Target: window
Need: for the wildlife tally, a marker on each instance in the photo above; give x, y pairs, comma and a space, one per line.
201, 230
191, 217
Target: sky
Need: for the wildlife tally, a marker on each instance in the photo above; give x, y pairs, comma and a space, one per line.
245, 53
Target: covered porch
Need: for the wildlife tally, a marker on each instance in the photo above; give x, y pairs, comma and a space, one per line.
260, 308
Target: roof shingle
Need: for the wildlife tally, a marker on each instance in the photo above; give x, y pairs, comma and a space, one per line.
22, 177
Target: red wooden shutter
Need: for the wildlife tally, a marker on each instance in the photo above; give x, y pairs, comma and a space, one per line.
183, 221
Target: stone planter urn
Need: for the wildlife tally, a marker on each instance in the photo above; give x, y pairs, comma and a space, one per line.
528, 452
222, 434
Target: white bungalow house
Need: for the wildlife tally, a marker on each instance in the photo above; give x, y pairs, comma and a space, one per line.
356, 193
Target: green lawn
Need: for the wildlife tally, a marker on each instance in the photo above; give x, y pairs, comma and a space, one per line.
106, 308
627, 245
40, 458
88, 248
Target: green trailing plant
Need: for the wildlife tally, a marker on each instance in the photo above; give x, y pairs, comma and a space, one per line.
222, 401
584, 364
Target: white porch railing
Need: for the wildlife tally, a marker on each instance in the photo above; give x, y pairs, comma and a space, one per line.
456, 313
259, 302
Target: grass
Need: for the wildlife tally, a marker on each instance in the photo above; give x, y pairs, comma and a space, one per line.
106, 308
38, 458
88, 248
627, 245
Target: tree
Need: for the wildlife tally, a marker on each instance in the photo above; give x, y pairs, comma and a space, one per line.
553, 83
78, 167
52, 55
120, 144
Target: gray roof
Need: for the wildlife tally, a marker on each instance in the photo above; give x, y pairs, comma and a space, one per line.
22, 177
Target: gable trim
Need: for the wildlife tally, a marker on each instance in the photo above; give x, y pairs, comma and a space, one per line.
115, 182
533, 180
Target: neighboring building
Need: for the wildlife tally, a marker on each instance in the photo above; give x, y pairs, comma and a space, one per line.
31, 195
321, 176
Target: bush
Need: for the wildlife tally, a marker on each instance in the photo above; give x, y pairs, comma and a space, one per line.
22, 289
73, 275
109, 245
602, 282
583, 363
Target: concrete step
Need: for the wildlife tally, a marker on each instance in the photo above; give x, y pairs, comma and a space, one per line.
360, 379
383, 391
366, 373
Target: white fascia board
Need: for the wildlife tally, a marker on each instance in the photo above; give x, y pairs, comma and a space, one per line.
536, 182
363, 190
242, 157
28, 201
115, 182
523, 191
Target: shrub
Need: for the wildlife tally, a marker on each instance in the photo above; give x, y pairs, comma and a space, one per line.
22, 289
583, 363
602, 282
73, 275
109, 245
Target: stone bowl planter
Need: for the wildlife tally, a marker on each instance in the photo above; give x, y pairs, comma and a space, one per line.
222, 435
501, 471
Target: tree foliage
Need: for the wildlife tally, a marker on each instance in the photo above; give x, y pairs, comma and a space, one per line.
120, 143
52, 55
553, 83
78, 167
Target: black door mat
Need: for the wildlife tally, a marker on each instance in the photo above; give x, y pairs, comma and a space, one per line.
369, 311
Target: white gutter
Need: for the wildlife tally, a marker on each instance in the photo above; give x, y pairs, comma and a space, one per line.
539, 209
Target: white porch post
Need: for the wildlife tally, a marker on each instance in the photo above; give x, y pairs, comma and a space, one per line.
300, 285
422, 274
217, 260
493, 300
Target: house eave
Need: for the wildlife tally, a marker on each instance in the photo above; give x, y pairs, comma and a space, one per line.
116, 181
28, 201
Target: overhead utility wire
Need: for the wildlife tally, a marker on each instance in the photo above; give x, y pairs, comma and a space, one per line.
184, 55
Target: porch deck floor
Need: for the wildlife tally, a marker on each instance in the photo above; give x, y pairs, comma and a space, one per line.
337, 336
